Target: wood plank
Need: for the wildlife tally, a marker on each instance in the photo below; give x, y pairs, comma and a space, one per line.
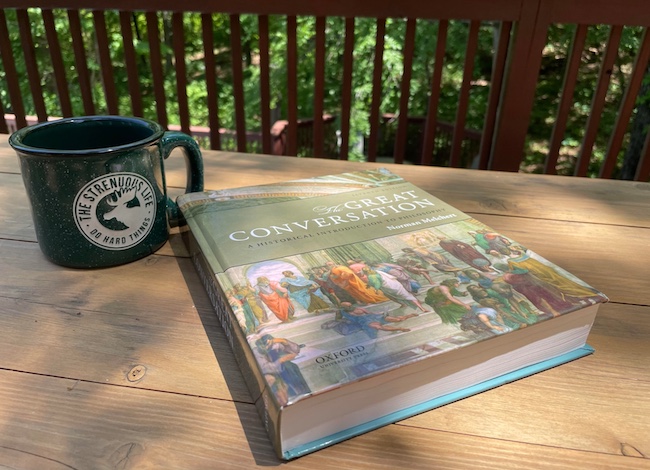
524, 60
498, 72
346, 87
434, 95
590, 417
577, 247
105, 62
211, 80
11, 74
598, 100
72, 287
405, 90
467, 9
50, 420
58, 65
628, 103
130, 61
15, 215
238, 81
81, 63
319, 87
586, 11
566, 100
378, 65
8, 161
4, 129
86, 353
643, 170
463, 96
31, 64
600, 201
178, 42
496, 193
292, 86
88, 322
179, 351
155, 59
265, 83
46, 421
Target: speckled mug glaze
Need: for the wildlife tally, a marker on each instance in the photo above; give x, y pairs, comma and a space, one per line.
96, 185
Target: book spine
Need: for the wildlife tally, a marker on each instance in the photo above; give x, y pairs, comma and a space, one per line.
266, 405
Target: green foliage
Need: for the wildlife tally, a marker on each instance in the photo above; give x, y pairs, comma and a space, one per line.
550, 82
542, 118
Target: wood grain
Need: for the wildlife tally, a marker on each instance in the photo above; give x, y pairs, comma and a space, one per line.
583, 244
572, 406
490, 192
148, 429
127, 367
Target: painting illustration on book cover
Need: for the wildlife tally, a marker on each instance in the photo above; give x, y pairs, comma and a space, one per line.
324, 318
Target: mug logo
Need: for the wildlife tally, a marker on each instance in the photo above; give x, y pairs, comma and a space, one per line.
115, 211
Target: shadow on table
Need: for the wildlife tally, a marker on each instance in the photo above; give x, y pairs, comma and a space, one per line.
251, 422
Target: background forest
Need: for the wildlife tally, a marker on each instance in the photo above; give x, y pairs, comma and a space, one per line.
549, 85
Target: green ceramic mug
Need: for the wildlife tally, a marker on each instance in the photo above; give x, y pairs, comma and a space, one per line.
97, 189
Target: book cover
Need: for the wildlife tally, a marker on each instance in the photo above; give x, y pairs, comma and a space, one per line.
355, 300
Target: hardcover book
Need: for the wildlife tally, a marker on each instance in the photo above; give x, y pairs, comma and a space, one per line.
352, 301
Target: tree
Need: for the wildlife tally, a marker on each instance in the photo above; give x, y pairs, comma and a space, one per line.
542, 118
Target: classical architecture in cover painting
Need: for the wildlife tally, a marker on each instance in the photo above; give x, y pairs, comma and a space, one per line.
321, 318
340, 278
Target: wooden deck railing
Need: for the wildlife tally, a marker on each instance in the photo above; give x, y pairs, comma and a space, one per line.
520, 36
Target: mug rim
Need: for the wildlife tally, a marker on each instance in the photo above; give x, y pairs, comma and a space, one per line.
16, 140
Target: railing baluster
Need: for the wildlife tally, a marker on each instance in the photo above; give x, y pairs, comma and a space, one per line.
346, 88
11, 75
106, 65
81, 64
496, 84
598, 101
319, 87
463, 99
501, 146
524, 60
643, 168
33, 76
4, 129
405, 92
181, 73
211, 80
238, 81
429, 135
568, 87
376, 89
292, 87
627, 106
131, 63
155, 58
57, 63
265, 83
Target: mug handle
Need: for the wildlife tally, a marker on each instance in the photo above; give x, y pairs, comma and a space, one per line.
193, 162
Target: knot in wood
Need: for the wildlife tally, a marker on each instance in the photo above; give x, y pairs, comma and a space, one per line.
136, 373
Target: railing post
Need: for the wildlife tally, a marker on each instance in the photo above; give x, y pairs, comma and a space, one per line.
518, 93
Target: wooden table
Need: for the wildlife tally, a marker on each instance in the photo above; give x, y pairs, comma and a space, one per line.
127, 367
